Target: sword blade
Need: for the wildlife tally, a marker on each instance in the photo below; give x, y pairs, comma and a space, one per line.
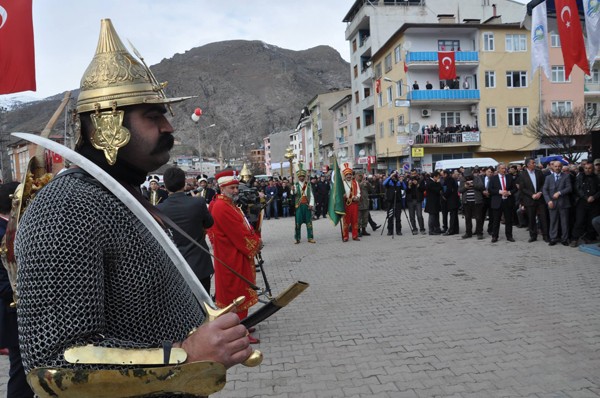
132, 204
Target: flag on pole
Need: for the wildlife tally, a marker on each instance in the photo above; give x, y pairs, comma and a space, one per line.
447, 67
17, 57
539, 40
592, 27
405, 67
336, 208
571, 36
378, 86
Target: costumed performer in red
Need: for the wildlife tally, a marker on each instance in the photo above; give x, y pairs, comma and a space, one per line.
351, 198
234, 242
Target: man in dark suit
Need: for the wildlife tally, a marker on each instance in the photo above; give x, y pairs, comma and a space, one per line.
192, 216
433, 188
502, 188
531, 182
450, 196
486, 211
557, 188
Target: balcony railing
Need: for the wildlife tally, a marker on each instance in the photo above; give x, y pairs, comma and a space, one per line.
437, 95
591, 87
448, 139
432, 56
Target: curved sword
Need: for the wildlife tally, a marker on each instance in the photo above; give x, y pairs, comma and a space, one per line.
132, 204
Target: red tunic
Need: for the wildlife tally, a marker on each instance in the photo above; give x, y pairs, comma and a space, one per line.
236, 243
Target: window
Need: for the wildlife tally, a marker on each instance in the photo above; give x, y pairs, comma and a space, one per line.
517, 116
558, 75
354, 45
367, 92
516, 79
562, 108
448, 45
388, 62
381, 130
450, 118
397, 54
490, 116
378, 71
488, 42
516, 43
380, 100
554, 40
390, 96
594, 77
355, 71
392, 127
490, 79
591, 109
358, 122
400, 122
356, 97
399, 88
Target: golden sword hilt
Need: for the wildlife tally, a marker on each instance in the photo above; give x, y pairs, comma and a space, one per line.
256, 357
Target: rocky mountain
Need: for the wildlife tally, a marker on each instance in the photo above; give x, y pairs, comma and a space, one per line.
246, 88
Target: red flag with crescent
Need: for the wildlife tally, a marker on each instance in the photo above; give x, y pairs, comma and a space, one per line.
17, 57
571, 36
378, 86
447, 67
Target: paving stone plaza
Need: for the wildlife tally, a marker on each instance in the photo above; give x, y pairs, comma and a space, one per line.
424, 316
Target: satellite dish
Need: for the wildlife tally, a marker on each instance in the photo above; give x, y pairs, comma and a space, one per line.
330, 153
340, 154
407, 45
361, 152
407, 128
414, 127
344, 153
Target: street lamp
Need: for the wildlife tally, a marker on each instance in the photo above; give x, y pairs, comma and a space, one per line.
200, 147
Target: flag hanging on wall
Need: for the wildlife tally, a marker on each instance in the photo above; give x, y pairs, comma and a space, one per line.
571, 36
539, 40
447, 67
17, 57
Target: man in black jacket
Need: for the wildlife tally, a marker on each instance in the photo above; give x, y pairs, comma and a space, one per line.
587, 206
414, 201
450, 198
433, 205
531, 182
502, 189
192, 216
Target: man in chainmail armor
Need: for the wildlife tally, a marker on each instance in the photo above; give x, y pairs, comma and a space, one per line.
89, 272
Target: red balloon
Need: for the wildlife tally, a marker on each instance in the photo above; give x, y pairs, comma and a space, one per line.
198, 112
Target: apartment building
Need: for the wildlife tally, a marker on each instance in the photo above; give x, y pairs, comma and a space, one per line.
371, 23
483, 113
342, 126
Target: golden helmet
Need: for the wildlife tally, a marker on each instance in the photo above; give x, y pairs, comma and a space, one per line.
115, 78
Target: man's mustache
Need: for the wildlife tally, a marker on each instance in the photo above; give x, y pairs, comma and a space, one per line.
165, 143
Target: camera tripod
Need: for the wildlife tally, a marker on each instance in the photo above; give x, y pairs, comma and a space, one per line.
260, 268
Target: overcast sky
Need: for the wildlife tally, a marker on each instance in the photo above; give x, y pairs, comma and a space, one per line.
66, 31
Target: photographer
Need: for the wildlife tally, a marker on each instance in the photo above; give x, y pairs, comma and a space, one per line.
414, 201
472, 201
395, 191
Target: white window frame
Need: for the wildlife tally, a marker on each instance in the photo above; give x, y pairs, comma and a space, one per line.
388, 62
380, 99
400, 122
558, 74
490, 117
490, 79
399, 89
521, 79
381, 130
592, 108
390, 95
521, 112
450, 116
392, 127
488, 41
562, 108
516, 43
554, 40
397, 54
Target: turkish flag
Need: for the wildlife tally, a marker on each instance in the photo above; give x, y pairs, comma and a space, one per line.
447, 67
378, 86
571, 36
405, 67
17, 58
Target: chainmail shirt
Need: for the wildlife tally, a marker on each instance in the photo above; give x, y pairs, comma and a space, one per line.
90, 272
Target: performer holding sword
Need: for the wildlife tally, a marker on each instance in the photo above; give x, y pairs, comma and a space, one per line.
97, 295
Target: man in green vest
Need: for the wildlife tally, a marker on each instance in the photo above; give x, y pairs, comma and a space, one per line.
304, 203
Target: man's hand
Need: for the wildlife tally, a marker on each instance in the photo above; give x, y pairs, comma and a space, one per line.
536, 196
551, 205
590, 199
556, 195
223, 340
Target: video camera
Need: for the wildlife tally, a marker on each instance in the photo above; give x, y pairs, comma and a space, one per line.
248, 200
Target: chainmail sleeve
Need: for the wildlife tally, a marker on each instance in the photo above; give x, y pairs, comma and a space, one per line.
90, 272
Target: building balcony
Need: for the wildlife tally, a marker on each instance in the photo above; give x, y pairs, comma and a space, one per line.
432, 57
465, 138
591, 90
367, 103
366, 76
460, 95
